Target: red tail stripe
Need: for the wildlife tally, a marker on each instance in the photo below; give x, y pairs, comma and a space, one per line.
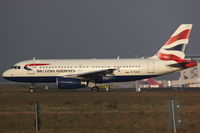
162, 56
183, 35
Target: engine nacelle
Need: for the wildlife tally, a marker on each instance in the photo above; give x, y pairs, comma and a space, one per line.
70, 83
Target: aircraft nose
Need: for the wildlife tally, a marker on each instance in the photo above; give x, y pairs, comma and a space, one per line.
8, 75
5, 74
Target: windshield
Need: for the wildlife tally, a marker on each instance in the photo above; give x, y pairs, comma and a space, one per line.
15, 67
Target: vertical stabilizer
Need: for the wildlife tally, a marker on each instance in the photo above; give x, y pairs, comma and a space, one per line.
174, 48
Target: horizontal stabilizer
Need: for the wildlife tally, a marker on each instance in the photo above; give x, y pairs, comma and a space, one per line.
179, 65
184, 64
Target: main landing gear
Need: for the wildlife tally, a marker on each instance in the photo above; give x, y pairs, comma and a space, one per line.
95, 89
93, 86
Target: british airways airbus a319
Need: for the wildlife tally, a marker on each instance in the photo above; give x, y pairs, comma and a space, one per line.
80, 73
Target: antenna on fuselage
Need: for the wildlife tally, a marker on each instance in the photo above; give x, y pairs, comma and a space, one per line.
136, 53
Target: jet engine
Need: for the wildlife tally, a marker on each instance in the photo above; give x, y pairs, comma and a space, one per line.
70, 83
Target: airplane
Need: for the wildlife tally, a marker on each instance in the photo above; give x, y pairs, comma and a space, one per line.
80, 73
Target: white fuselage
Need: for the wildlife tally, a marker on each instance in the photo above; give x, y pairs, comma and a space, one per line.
46, 71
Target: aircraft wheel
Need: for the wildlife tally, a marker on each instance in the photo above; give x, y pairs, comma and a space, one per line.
95, 89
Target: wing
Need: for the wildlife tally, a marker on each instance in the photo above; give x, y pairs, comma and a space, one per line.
91, 75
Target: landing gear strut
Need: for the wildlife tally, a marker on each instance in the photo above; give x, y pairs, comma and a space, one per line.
46, 88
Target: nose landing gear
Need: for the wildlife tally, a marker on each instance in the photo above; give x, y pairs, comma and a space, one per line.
46, 88
32, 88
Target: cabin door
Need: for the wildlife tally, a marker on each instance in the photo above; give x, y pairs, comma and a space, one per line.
150, 66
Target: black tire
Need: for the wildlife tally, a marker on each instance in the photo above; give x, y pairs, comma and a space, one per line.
95, 89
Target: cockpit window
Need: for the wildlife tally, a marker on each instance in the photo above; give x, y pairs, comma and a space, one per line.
15, 67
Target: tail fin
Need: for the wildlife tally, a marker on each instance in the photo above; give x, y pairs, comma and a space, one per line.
174, 48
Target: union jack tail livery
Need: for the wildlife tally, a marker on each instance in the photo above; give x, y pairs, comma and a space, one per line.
174, 48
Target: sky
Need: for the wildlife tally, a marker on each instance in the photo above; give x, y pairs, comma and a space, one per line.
77, 29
